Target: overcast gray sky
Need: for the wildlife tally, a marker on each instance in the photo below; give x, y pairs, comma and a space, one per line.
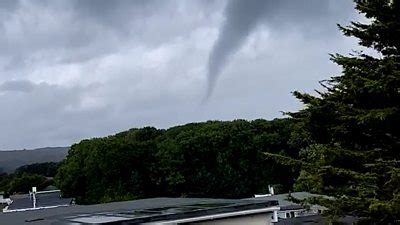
74, 69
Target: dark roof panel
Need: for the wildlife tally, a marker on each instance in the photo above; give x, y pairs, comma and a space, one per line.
154, 209
42, 200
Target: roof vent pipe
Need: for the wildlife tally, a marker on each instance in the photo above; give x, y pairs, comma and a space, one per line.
34, 196
271, 190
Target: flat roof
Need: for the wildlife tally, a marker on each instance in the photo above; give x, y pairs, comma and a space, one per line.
137, 211
284, 201
42, 200
315, 219
304, 220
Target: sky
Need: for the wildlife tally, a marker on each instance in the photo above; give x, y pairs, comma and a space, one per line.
76, 69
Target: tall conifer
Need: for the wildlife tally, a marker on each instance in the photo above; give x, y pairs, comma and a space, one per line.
353, 124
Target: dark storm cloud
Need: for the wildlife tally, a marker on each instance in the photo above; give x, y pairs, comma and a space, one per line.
17, 85
30, 28
109, 11
312, 18
241, 18
72, 69
84, 30
8, 5
116, 15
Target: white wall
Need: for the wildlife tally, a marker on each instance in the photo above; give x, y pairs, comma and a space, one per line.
258, 219
282, 214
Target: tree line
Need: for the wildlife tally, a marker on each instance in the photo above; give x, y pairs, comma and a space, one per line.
38, 175
210, 159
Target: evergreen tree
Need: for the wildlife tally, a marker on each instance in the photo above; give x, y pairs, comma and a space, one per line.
353, 125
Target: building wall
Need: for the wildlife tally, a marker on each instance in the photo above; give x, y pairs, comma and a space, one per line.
292, 213
258, 219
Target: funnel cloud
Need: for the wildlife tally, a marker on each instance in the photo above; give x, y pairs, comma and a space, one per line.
241, 17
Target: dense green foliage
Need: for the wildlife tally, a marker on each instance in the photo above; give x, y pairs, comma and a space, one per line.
4, 181
25, 177
212, 159
353, 127
47, 169
23, 183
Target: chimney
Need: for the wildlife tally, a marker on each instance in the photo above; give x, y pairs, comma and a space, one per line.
271, 190
34, 196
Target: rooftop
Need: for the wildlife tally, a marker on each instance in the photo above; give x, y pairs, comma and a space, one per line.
315, 219
284, 201
137, 211
44, 199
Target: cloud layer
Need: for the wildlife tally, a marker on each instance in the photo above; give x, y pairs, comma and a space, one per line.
78, 69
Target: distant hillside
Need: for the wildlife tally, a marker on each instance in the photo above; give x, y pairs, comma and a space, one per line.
10, 160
